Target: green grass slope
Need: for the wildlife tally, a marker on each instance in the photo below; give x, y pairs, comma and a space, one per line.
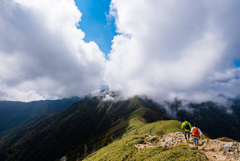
137, 122
124, 150
166, 126
85, 122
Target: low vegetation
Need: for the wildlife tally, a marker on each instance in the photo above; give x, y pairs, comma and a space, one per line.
138, 123
124, 149
226, 139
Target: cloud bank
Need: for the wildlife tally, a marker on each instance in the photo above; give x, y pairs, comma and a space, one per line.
164, 49
169, 49
42, 53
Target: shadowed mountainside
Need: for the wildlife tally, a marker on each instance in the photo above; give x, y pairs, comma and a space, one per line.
13, 114
66, 132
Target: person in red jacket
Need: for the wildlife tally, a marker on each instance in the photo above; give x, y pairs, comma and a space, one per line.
196, 133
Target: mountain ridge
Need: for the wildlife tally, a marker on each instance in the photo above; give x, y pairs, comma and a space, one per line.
87, 121
13, 113
81, 121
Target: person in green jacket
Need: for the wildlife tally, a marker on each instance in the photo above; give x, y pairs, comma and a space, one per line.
186, 126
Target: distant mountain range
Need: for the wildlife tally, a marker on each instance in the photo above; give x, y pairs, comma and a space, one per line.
89, 120
15, 113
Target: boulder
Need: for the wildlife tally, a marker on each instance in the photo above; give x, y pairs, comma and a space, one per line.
153, 138
231, 146
236, 151
165, 143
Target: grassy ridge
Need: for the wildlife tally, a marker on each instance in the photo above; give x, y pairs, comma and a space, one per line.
85, 122
165, 125
124, 149
138, 123
135, 120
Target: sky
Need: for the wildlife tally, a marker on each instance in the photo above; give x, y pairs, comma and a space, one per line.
161, 49
96, 23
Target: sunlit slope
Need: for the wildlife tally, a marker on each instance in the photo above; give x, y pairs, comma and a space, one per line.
124, 149
137, 123
166, 126
85, 122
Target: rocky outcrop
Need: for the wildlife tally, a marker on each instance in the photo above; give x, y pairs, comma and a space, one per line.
232, 147
213, 149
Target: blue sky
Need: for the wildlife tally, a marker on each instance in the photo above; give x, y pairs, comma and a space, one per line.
237, 63
95, 24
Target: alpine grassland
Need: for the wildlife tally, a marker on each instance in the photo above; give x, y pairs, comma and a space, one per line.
124, 149
137, 123
166, 126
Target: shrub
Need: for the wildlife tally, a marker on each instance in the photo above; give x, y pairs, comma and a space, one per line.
226, 139
160, 133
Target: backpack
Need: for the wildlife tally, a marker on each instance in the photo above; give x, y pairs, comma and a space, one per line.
195, 132
187, 127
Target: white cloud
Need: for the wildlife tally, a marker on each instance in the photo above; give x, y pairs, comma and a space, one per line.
42, 53
170, 49
165, 49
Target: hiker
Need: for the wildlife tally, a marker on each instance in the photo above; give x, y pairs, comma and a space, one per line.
196, 133
186, 126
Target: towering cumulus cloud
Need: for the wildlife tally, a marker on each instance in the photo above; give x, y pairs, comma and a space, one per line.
164, 49
42, 54
169, 49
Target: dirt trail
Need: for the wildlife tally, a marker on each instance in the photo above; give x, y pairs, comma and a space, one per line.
213, 149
